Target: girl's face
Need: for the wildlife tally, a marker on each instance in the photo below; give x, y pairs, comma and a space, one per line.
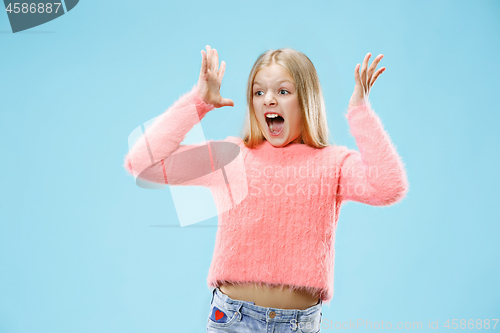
274, 93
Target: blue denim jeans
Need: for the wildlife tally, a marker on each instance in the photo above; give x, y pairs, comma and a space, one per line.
233, 316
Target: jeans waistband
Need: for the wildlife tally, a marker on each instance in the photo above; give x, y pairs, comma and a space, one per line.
312, 314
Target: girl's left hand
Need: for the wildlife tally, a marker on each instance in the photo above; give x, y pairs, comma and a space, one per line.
365, 80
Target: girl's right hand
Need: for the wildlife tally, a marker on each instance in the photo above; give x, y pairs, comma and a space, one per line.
210, 79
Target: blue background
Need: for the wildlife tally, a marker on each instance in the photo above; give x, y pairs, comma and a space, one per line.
82, 248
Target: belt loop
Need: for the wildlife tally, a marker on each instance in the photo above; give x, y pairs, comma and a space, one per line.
296, 319
238, 309
321, 309
213, 294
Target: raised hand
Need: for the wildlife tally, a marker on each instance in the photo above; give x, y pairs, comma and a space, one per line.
365, 80
211, 78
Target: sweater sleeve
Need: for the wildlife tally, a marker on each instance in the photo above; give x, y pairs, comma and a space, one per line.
375, 175
157, 156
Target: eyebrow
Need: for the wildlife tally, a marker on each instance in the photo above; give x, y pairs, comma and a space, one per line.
280, 82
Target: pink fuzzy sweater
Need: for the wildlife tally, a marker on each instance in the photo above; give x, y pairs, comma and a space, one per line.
277, 207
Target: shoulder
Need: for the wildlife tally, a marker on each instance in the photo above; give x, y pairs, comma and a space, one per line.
339, 153
338, 149
229, 141
225, 151
232, 143
235, 139
334, 150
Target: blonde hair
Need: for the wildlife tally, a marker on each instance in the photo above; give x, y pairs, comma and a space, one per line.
315, 131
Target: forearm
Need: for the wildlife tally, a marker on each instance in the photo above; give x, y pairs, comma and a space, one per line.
382, 172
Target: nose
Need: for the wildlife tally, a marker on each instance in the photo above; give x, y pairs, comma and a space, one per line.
269, 99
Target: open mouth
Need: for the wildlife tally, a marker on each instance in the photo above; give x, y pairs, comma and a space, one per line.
275, 123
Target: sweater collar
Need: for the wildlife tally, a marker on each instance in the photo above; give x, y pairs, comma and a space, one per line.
268, 144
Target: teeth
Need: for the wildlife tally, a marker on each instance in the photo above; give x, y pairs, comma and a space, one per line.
272, 115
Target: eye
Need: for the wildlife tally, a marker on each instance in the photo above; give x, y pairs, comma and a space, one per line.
256, 93
284, 90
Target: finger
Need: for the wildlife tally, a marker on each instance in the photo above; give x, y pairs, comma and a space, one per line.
216, 60
227, 102
213, 60
203, 63
222, 70
209, 58
380, 71
356, 75
363, 71
359, 78
373, 66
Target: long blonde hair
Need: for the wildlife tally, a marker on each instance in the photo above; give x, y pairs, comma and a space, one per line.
315, 131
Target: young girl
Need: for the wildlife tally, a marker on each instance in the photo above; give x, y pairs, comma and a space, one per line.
278, 190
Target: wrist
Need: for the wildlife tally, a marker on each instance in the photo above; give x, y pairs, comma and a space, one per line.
359, 109
201, 105
361, 103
